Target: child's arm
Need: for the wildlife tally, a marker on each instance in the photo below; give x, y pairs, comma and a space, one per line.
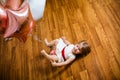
62, 63
65, 41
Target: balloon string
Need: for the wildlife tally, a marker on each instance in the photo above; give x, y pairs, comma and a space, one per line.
36, 38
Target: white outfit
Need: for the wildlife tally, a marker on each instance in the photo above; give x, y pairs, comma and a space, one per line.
67, 51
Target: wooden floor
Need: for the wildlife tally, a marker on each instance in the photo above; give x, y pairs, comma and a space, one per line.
97, 21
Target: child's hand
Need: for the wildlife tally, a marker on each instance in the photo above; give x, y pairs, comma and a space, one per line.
53, 63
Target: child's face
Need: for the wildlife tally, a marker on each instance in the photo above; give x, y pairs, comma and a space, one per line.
77, 49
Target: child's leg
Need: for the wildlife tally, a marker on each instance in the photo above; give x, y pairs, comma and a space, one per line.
51, 43
50, 57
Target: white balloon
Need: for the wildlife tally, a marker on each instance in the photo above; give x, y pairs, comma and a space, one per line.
2, 1
37, 8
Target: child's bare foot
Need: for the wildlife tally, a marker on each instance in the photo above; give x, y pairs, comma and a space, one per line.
46, 42
43, 52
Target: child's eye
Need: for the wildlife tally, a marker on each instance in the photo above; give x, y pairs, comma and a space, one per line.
78, 47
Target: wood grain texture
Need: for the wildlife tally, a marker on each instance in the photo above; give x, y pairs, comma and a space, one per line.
97, 21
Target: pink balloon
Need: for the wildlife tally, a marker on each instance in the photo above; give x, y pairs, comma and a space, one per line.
16, 19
